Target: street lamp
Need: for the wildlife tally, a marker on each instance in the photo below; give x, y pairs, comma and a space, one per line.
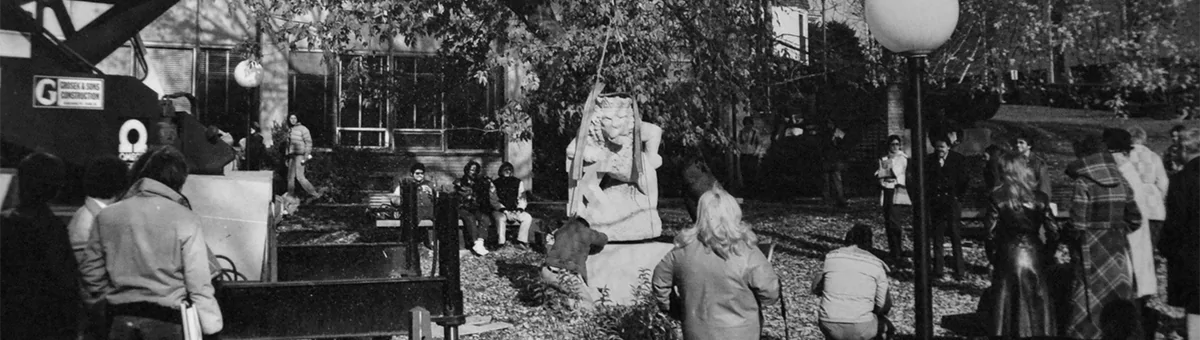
915, 28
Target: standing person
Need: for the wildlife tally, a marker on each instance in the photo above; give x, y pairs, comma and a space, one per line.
697, 180
1141, 249
104, 181
1103, 212
1023, 146
947, 182
508, 200
833, 163
40, 288
1022, 306
991, 166
299, 151
750, 154
1180, 243
1173, 158
256, 150
854, 290
566, 260
892, 170
470, 209
1153, 175
719, 273
147, 255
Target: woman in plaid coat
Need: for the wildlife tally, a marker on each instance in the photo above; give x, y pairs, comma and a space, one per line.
1102, 213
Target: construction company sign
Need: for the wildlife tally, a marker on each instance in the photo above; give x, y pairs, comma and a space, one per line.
54, 92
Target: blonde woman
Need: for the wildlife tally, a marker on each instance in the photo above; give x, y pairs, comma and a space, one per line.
719, 273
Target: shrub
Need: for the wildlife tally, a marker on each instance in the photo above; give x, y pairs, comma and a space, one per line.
344, 174
609, 321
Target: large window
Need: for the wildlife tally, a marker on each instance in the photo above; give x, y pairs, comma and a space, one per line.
312, 95
412, 103
220, 100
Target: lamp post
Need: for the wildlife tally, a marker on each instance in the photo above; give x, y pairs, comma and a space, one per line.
915, 28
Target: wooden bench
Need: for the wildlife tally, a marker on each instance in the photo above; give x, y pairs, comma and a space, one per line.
385, 199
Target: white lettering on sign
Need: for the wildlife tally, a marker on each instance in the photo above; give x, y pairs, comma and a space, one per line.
68, 93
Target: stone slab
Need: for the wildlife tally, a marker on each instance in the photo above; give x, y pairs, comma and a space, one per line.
474, 325
233, 211
617, 267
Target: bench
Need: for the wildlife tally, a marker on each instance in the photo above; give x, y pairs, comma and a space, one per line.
385, 199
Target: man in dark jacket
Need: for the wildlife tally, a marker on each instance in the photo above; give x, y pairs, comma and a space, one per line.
697, 180
1180, 243
40, 288
566, 259
508, 200
947, 183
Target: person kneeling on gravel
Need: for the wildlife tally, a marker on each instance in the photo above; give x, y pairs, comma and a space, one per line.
853, 291
566, 259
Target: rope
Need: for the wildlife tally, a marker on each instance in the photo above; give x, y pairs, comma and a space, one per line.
581, 136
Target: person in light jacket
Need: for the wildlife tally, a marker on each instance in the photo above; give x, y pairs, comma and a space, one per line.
892, 170
147, 255
299, 151
1153, 174
719, 273
104, 182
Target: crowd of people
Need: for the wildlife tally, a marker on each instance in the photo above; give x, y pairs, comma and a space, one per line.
130, 257
1127, 204
483, 203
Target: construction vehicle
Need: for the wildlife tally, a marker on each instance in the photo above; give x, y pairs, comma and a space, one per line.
54, 99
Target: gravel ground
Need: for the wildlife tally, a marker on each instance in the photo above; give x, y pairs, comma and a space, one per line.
504, 285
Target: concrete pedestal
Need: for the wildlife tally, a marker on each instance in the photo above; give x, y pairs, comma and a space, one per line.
618, 266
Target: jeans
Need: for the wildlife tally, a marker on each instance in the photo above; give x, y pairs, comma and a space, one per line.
891, 224
570, 283
296, 174
749, 170
126, 327
502, 217
831, 188
475, 222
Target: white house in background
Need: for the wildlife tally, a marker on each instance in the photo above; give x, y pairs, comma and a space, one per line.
191, 48
790, 23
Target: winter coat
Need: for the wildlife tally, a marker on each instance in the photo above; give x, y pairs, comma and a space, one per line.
721, 297
1141, 248
299, 141
150, 248
1150, 172
40, 286
1103, 212
1180, 242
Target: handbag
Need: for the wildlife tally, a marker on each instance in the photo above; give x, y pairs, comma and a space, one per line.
900, 197
191, 321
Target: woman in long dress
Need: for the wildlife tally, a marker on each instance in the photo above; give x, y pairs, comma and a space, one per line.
1022, 305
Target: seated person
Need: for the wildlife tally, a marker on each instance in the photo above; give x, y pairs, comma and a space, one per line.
424, 192
853, 288
566, 260
508, 200
474, 204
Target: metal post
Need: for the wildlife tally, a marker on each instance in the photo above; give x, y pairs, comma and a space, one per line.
447, 225
921, 247
408, 192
